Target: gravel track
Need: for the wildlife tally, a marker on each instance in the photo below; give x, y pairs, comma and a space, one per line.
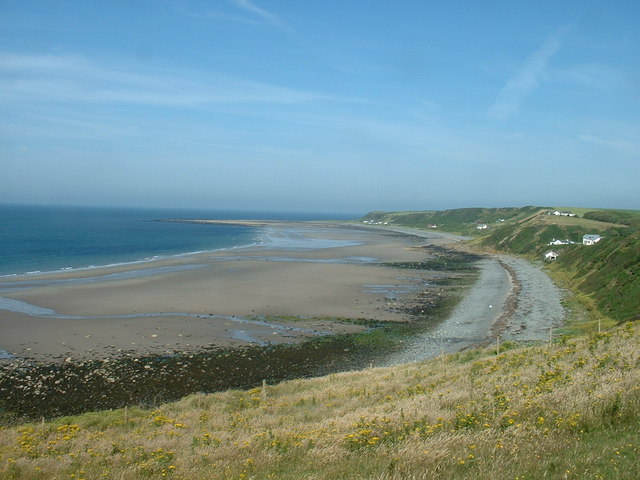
512, 298
539, 308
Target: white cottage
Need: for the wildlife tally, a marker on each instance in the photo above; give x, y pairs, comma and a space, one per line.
550, 255
590, 239
561, 242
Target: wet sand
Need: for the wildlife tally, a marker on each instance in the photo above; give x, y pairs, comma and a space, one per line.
224, 298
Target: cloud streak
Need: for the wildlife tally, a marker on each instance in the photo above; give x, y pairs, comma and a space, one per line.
69, 79
263, 14
525, 81
623, 146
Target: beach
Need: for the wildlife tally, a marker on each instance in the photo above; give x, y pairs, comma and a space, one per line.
310, 299
303, 282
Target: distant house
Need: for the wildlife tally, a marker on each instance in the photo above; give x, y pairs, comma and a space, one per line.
373, 222
482, 226
561, 242
591, 239
550, 255
563, 214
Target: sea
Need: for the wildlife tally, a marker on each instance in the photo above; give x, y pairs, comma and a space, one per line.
37, 239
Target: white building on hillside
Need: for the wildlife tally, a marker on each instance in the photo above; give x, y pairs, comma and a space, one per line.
550, 255
561, 242
564, 214
590, 239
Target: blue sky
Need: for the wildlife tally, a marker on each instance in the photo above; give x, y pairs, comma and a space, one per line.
338, 106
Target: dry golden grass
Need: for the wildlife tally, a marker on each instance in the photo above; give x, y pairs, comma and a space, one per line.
567, 410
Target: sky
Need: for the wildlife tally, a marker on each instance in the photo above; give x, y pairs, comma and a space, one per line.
331, 106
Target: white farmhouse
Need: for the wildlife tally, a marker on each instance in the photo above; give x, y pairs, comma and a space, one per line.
550, 255
561, 242
559, 213
590, 239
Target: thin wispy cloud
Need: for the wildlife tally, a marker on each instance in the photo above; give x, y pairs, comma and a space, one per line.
237, 11
621, 145
525, 81
50, 78
592, 76
263, 14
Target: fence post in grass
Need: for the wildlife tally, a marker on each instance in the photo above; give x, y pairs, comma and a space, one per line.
126, 413
498, 345
264, 390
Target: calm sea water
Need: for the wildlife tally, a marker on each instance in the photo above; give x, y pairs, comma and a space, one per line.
47, 238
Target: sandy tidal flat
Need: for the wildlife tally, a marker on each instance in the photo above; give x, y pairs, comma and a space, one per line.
223, 298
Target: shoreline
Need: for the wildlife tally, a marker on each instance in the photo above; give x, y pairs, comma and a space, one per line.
219, 298
397, 306
210, 299
510, 304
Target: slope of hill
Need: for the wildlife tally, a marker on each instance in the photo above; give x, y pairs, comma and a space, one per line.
461, 220
608, 272
568, 410
531, 235
630, 218
605, 275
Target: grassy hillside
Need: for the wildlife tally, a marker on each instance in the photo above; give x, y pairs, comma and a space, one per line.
608, 273
604, 276
630, 218
461, 220
569, 410
531, 235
